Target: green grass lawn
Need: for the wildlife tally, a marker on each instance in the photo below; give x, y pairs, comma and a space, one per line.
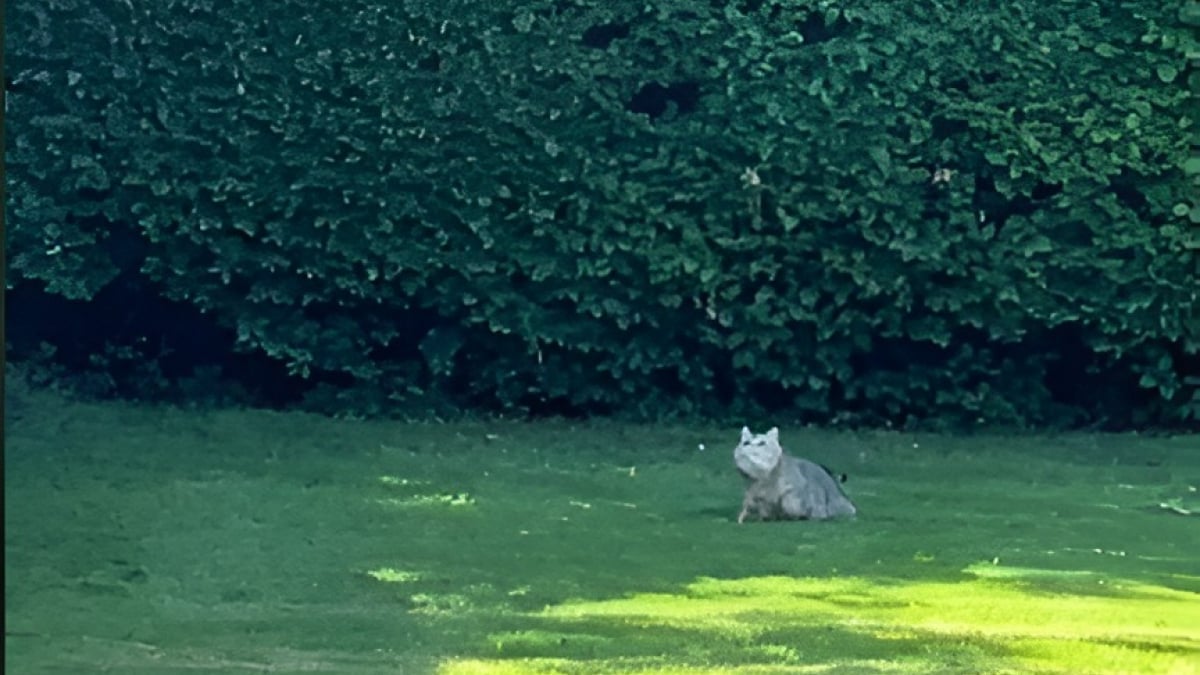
143, 540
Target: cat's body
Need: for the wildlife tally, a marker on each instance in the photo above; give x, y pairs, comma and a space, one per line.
780, 486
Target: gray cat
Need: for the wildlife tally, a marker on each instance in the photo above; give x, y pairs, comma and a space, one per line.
779, 486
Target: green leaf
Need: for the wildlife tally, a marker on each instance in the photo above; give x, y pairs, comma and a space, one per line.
1038, 244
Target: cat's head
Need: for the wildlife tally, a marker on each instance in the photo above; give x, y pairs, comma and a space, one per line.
757, 455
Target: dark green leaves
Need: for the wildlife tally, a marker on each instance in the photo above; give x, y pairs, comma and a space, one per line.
887, 211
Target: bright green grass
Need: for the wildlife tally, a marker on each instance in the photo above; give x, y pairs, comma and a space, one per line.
145, 540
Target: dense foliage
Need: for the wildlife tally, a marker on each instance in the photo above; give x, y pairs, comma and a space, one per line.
876, 211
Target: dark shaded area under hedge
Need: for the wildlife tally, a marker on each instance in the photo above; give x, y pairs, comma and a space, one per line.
868, 212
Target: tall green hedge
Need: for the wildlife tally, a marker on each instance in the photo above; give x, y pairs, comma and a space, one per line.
879, 211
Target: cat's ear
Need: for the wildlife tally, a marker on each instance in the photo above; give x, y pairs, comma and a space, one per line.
746, 435
773, 435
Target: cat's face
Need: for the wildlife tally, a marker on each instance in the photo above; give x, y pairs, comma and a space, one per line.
757, 454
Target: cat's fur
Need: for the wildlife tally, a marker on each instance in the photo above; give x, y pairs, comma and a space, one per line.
780, 486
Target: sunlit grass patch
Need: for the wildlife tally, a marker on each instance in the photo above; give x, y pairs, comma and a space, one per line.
420, 499
439, 603
436, 499
647, 666
397, 481
1076, 656
392, 575
996, 619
